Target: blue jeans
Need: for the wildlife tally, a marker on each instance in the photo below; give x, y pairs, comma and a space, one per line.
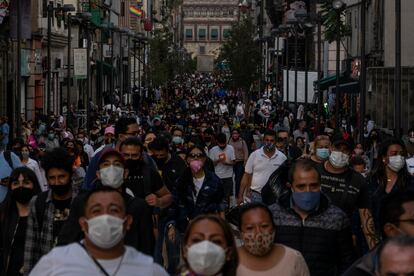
255, 196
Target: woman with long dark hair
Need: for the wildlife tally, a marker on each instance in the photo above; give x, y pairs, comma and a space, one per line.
22, 185
390, 174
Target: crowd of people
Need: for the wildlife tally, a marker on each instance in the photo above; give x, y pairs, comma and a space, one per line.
200, 181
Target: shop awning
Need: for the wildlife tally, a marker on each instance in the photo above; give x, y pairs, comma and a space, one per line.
106, 67
348, 88
329, 81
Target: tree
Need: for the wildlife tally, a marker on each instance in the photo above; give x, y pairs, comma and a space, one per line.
241, 53
330, 22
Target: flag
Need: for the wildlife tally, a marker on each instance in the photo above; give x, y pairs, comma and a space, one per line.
136, 11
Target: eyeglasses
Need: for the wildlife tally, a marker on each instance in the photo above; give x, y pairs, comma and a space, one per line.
196, 155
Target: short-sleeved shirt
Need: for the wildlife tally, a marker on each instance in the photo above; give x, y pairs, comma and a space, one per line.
348, 190
222, 171
5, 169
261, 166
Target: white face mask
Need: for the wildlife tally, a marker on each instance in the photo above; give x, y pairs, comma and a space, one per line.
112, 176
105, 231
396, 163
338, 159
206, 258
411, 140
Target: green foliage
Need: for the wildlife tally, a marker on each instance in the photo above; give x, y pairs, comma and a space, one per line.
166, 60
242, 54
330, 22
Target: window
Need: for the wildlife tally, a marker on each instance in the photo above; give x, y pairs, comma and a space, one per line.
214, 34
201, 34
226, 34
188, 34
202, 50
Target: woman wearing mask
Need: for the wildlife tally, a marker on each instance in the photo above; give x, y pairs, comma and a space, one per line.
320, 152
33, 165
390, 175
199, 191
259, 256
209, 248
23, 185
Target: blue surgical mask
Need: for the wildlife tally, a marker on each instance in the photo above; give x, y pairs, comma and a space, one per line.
306, 201
322, 153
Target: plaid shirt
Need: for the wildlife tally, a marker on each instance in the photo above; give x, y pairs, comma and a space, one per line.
39, 239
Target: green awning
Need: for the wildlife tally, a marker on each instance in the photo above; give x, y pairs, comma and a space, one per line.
329, 81
106, 67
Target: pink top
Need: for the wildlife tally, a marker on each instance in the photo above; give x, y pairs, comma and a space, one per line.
292, 264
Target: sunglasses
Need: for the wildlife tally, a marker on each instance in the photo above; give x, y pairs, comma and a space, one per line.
196, 155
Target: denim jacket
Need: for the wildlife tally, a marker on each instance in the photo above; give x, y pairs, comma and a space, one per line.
187, 205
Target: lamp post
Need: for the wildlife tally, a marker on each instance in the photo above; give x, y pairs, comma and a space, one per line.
19, 71
68, 8
320, 94
49, 62
338, 6
363, 76
397, 73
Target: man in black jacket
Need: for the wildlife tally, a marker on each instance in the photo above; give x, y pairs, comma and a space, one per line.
140, 235
396, 219
307, 222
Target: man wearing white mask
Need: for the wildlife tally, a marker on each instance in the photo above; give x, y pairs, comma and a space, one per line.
346, 188
112, 173
102, 252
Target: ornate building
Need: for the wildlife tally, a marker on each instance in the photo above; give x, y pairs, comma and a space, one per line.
207, 23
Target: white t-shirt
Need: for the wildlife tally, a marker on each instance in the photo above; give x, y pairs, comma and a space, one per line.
198, 183
410, 165
72, 260
261, 166
223, 171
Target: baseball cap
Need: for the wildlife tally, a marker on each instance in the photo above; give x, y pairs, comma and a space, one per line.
110, 130
111, 152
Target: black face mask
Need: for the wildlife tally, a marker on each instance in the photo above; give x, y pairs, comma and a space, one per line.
22, 195
222, 148
160, 162
132, 165
207, 139
61, 190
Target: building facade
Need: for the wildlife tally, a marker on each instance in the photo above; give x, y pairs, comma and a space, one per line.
206, 24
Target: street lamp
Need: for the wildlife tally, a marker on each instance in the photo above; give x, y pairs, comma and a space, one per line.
397, 73
50, 9
68, 8
338, 7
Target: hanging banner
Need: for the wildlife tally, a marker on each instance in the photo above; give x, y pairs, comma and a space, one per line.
80, 66
25, 63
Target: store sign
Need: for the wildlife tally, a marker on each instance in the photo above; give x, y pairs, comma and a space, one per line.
80, 65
